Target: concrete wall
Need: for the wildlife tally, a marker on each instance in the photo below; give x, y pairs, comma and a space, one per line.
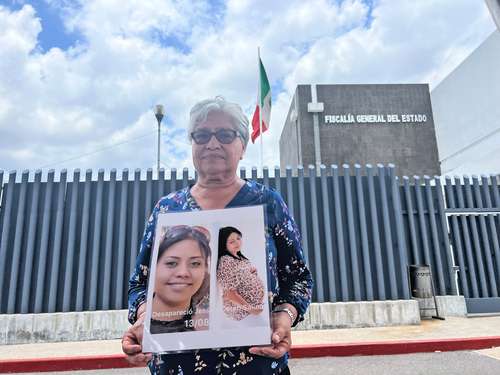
361, 314
289, 140
105, 325
411, 146
446, 306
55, 327
303, 93
467, 113
494, 7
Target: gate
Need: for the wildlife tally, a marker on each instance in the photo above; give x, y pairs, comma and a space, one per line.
473, 211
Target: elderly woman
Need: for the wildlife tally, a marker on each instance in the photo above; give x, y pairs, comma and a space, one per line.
219, 133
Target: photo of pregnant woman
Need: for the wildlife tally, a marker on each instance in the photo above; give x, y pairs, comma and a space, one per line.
240, 286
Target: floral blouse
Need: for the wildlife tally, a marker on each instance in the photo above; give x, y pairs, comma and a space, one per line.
240, 275
289, 281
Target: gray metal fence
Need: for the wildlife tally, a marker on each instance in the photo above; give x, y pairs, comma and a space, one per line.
473, 211
426, 230
69, 243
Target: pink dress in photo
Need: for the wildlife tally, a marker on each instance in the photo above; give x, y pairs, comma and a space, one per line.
241, 276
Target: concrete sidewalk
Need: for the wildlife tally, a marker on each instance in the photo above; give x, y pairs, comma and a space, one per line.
431, 335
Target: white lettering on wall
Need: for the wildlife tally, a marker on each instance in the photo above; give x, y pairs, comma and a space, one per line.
393, 118
339, 119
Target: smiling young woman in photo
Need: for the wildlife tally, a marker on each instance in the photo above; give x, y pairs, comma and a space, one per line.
181, 281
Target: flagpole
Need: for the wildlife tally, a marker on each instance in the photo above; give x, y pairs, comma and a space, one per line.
260, 116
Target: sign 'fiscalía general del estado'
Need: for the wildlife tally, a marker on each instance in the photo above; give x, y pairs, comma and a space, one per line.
393, 118
363, 124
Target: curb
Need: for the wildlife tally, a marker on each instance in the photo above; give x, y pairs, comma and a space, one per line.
393, 347
297, 351
64, 363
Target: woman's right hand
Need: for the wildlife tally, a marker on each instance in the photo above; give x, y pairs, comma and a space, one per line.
132, 341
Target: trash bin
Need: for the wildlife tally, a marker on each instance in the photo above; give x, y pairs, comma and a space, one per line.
421, 281
422, 289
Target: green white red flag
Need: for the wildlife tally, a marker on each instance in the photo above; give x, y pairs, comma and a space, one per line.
263, 104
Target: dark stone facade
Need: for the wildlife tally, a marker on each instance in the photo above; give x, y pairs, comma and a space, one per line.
364, 124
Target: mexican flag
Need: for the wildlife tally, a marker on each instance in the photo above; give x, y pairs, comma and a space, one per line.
263, 104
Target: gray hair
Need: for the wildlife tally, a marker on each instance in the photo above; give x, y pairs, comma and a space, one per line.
200, 111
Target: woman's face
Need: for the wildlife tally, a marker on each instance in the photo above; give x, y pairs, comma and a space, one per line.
233, 243
214, 157
179, 273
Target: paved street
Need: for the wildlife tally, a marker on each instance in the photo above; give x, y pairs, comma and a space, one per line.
446, 363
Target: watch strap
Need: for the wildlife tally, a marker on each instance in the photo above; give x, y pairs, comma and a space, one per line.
287, 310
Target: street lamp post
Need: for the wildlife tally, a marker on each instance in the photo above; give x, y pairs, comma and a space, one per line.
159, 112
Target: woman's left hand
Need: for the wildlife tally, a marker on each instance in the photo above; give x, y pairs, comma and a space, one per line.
281, 338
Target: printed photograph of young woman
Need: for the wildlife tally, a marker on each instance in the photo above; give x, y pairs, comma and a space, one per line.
182, 281
241, 287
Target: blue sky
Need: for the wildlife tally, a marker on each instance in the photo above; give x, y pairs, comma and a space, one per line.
54, 33
90, 72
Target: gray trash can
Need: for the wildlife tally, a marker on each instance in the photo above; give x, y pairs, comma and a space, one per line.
422, 289
421, 282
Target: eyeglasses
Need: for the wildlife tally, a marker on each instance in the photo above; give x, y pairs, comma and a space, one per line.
225, 136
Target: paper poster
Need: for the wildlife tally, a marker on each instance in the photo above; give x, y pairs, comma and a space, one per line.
208, 282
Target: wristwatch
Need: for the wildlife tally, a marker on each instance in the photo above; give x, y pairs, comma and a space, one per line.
288, 311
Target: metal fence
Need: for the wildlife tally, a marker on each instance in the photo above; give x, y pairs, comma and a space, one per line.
69, 244
426, 230
473, 211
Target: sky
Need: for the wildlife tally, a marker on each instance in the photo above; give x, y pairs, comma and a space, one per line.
79, 79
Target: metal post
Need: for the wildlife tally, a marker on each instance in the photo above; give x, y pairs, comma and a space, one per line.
158, 159
315, 108
159, 113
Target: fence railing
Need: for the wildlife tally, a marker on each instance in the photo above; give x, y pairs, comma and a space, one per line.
474, 220
69, 243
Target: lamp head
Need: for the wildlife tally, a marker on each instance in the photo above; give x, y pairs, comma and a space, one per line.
159, 112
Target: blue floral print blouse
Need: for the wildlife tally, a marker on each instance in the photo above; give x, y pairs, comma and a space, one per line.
290, 282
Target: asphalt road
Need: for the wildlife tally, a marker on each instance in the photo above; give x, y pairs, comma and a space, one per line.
445, 363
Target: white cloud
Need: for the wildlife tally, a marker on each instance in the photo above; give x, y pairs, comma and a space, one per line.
59, 104
19, 31
405, 43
